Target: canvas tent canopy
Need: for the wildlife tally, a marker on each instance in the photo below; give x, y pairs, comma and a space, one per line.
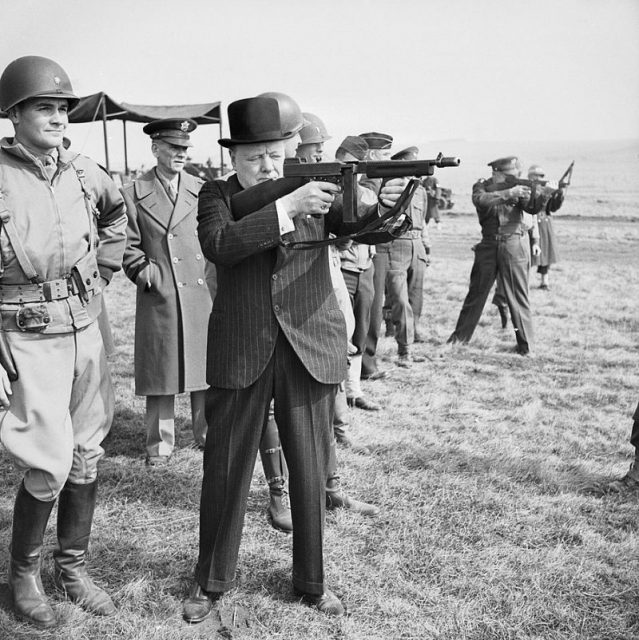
100, 106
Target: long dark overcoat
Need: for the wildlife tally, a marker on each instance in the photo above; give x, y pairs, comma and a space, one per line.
172, 315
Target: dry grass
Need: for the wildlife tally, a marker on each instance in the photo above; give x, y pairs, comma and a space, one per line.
481, 462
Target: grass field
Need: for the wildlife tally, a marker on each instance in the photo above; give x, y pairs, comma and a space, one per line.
483, 463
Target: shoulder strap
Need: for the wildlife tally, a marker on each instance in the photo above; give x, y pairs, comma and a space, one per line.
6, 221
92, 211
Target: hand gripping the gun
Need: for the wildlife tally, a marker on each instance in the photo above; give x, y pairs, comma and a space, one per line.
534, 195
394, 196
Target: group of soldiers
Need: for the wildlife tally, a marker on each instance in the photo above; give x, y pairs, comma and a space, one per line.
289, 332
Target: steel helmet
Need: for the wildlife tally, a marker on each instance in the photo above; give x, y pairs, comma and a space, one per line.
290, 112
33, 77
313, 130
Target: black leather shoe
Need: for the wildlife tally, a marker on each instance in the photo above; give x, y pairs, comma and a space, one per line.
376, 375
327, 603
199, 604
360, 402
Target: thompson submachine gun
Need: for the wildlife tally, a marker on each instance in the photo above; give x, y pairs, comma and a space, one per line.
540, 191
344, 174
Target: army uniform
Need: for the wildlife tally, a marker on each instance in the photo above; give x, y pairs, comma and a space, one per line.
63, 234
377, 143
406, 270
163, 257
505, 250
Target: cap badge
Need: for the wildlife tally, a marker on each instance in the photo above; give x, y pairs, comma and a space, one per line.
56, 80
185, 125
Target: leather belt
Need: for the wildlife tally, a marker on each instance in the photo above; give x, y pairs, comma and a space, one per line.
59, 289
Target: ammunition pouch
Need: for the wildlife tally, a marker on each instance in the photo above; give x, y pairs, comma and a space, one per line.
86, 277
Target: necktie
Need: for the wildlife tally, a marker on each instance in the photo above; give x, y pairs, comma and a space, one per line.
170, 188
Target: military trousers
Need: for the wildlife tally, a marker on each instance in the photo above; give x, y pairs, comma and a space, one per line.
509, 256
405, 288
381, 262
236, 419
60, 410
160, 422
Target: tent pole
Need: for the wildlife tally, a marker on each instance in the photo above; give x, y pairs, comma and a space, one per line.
104, 128
126, 158
221, 148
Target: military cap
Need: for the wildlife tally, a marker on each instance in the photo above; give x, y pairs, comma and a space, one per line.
173, 130
505, 164
410, 153
376, 140
537, 171
254, 120
355, 145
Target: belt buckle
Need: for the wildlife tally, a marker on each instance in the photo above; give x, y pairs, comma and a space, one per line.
55, 290
33, 319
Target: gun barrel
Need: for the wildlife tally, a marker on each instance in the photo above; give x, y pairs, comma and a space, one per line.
400, 168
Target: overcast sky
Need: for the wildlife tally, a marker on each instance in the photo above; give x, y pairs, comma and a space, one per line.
418, 69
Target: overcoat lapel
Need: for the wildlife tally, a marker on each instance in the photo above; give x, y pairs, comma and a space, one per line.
147, 199
186, 199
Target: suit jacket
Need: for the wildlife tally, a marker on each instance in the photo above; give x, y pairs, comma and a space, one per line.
264, 288
172, 315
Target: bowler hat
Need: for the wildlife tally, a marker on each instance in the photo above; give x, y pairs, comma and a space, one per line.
410, 153
376, 140
173, 130
254, 120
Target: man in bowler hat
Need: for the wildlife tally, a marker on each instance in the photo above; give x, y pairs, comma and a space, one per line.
276, 332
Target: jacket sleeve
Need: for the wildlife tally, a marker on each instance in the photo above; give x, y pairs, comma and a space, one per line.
484, 202
134, 257
111, 224
226, 241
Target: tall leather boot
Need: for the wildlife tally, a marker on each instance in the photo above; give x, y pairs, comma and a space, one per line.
276, 472
337, 498
30, 517
75, 517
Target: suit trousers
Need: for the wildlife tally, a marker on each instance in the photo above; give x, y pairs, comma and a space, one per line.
237, 418
510, 257
381, 261
160, 422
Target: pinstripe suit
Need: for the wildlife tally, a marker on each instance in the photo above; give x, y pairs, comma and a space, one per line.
276, 331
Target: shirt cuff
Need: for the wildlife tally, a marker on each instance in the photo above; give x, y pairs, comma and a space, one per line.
285, 223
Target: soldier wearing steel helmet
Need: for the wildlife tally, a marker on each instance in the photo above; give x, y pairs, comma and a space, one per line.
62, 237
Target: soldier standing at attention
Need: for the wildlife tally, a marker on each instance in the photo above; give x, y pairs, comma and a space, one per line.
63, 234
406, 270
505, 250
164, 259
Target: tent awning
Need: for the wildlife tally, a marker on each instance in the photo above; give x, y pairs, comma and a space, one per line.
100, 106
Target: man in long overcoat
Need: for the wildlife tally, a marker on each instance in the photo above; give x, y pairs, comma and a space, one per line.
164, 259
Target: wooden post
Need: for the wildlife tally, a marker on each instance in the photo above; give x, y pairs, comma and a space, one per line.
221, 148
126, 158
104, 128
